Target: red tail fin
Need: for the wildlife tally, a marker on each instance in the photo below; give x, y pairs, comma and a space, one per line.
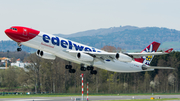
149, 49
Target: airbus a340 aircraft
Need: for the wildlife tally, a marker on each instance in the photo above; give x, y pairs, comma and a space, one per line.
49, 46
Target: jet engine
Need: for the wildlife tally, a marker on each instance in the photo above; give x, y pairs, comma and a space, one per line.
123, 57
45, 55
144, 67
84, 57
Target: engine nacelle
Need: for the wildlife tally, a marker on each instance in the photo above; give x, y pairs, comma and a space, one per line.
45, 55
84, 57
144, 67
123, 57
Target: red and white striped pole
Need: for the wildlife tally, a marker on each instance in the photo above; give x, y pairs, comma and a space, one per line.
82, 87
87, 91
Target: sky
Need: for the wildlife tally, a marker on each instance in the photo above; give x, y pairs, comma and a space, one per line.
71, 16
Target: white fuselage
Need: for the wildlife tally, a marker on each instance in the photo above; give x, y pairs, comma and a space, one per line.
58, 46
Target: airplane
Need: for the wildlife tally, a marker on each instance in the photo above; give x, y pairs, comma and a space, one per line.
49, 46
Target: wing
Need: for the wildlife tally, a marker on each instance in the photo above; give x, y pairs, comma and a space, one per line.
102, 56
138, 55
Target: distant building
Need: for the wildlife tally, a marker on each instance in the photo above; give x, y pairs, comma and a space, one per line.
4, 62
4, 59
20, 64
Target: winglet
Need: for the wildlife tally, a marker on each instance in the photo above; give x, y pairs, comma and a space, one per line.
169, 50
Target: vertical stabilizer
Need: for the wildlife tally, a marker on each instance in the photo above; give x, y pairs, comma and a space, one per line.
149, 49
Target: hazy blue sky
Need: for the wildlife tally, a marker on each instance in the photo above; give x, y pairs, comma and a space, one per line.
71, 16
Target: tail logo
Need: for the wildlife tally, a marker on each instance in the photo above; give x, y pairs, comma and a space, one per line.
148, 59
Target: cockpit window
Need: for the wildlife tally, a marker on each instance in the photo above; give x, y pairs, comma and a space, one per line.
13, 29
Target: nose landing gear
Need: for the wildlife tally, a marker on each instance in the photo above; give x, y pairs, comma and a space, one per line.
19, 49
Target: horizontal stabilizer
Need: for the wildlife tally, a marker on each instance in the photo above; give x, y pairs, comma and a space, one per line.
154, 67
145, 67
169, 50
149, 54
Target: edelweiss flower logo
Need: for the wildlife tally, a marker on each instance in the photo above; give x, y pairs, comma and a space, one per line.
147, 59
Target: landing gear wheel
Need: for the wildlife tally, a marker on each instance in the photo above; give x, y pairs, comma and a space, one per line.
68, 66
19, 49
88, 68
83, 68
91, 67
72, 70
93, 72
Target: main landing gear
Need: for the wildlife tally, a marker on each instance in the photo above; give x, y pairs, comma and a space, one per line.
83, 68
70, 68
89, 68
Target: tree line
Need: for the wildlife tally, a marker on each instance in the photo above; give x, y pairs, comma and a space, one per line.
51, 76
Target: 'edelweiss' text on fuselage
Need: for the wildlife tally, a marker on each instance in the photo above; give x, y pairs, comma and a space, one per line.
66, 44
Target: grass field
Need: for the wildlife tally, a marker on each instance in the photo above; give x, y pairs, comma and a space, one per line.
70, 95
174, 99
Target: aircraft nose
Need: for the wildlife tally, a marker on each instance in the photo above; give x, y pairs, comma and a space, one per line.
14, 35
21, 34
7, 31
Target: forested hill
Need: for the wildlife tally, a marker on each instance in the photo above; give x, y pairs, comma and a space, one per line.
127, 37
